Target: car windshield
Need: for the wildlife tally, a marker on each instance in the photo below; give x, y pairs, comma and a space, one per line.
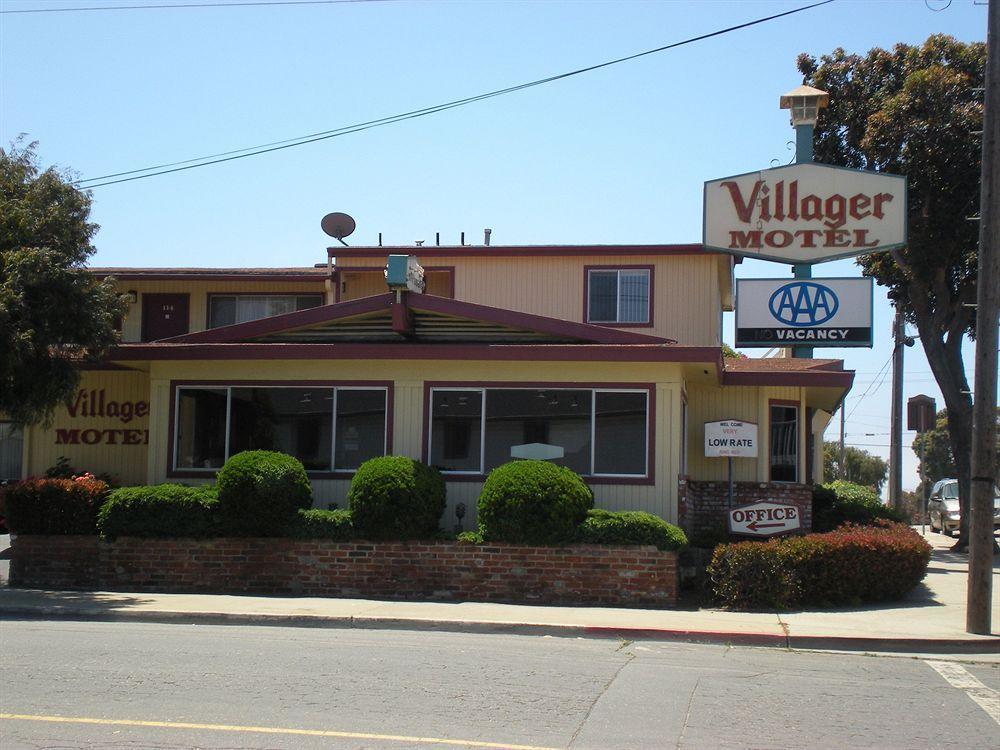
950, 491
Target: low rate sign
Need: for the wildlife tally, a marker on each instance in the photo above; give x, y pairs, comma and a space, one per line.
805, 213
811, 312
764, 519
730, 438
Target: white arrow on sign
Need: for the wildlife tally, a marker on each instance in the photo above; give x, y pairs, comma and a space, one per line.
764, 519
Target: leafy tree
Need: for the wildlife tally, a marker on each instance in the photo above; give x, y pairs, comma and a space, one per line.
938, 462
729, 353
53, 314
914, 110
861, 467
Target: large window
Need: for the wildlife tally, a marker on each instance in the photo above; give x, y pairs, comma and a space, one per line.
327, 428
618, 296
227, 309
602, 432
11, 447
784, 443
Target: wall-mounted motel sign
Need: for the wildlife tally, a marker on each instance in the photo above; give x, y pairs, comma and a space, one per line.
811, 312
805, 213
730, 438
764, 519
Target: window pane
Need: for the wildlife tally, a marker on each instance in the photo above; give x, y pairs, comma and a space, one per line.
603, 291
11, 445
553, 417
304, 302
633, 303
280, 305
456, 418
620, 433
222, 311
784, 443
360, 427
296, 421
251, 308
201, 428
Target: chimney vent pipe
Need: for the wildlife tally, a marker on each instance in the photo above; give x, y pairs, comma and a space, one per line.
486, 236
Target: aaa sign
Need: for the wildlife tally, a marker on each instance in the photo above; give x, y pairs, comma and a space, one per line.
805, 213
764, 519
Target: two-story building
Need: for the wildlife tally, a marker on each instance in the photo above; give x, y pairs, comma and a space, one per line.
610, 353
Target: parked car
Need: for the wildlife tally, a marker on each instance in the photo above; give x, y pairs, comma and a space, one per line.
943, 509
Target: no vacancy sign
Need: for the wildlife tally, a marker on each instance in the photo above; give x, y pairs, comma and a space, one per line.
809, 312
731, 438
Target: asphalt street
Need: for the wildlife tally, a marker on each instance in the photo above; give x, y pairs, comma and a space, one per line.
139, 685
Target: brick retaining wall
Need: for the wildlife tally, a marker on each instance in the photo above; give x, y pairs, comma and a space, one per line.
584, 574
702, 506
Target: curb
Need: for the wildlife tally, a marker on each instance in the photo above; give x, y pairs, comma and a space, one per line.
984, 645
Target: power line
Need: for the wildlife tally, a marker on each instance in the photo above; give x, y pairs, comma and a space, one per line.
165, 6
204, 161
884, 372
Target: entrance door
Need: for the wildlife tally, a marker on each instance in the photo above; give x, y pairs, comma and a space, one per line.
164, 315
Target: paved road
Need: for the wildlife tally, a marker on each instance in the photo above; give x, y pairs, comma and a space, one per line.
174, 686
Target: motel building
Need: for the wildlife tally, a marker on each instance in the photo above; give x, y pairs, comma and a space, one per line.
611, 353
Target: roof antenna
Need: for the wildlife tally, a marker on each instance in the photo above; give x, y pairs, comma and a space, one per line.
338, 226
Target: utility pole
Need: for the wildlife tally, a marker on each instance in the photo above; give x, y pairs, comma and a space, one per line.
842, 473
896, 429
984, 428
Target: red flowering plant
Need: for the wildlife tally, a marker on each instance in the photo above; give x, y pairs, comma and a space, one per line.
55, 506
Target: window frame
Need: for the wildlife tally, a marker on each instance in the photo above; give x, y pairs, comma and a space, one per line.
321, 294
334, 473
21, 461
587, 270
647, 389
787, 404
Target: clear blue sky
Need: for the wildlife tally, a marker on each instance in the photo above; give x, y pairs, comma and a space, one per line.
614, 156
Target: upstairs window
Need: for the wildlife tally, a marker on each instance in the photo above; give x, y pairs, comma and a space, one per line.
619, 296
227, 309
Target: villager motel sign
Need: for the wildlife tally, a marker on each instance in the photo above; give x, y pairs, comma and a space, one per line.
805, 213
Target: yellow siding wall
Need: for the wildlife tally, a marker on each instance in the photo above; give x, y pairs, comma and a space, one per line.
748, 403
109, 453
199, 291
408, 414
686, 295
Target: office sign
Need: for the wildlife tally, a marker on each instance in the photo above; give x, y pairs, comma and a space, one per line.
805, 213
808, 312
764, 519
730, 438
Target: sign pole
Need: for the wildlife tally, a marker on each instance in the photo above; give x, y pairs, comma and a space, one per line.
730, 481
803, 155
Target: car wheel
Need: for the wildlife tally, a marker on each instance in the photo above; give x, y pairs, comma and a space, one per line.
935, 529
944, 529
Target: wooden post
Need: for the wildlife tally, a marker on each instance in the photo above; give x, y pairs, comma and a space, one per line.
984, 426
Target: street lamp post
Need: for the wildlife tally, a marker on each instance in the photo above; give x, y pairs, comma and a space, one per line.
804, 104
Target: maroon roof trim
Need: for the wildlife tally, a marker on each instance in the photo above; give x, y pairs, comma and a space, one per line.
403, 350
810, 378
139, 275
509, 251
241, 332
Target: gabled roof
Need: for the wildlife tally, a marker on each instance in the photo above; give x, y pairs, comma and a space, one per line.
414, 318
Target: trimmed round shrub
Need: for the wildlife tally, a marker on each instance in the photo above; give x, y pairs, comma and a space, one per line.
533, 502
54, 506
335, 525
163, 510
395, 497
849, 566
629, 527
260, 492
837, 503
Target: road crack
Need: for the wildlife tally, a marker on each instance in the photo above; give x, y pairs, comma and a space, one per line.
629, 657
687, 714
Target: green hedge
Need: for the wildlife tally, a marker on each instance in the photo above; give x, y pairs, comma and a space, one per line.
260, 493
163, 510
334, 525
851, 565
533, 502
837, 503
629, 527
395, 497
54, 506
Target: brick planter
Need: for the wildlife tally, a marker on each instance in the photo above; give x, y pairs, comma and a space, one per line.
584, 574
702, 506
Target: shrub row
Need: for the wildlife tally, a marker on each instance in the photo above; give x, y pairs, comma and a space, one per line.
837, 503
848, 566
263, 493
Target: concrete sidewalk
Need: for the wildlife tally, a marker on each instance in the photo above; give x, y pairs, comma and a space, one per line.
930, 620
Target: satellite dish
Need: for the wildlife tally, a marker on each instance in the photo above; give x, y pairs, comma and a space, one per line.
338, 226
